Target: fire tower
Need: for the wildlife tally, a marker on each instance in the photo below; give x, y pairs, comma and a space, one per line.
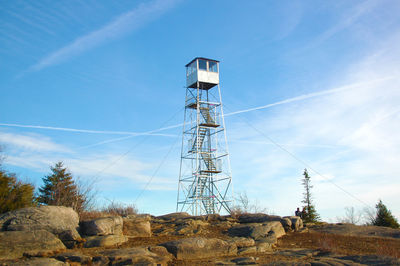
205, 181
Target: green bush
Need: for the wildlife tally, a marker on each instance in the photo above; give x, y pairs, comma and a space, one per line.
14, 194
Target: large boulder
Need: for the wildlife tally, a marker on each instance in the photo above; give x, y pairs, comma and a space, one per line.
257, 231
199, 248
135, 256
105, 241
102, 226
137, 225
13, 244
262, 218
59, 220
297, 222
242, 242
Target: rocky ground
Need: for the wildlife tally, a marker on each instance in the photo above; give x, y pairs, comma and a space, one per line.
50, 235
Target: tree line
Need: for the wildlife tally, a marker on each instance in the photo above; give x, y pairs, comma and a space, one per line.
59, 188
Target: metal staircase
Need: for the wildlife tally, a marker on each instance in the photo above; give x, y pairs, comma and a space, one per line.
198, 142
209, 162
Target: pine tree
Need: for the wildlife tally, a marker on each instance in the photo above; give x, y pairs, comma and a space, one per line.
59, 189
309, 214
384, 217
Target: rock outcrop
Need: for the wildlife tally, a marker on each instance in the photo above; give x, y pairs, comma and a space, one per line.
137, 225
257, 231
135, 256
102, 226
262, 218
13, 244
103, 232
33, 236
59, 220
199, 247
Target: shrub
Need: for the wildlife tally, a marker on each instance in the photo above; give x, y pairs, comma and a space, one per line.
14, 194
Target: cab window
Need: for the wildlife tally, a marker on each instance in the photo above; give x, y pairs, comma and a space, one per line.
202, 64
212, 66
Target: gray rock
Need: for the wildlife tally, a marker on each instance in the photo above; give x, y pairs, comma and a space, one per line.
245, 261
189, 227
100, 260
199, 247
298, 252
242, 242
257, 231
247, 251
262, 218
13, 244
59, 220
137, 226
297, 222
105, 241
160, 251
263, 247
134, 256
333, 262
39, 262
102, 226
74, 257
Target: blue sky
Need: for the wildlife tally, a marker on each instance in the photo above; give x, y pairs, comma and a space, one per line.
90, 82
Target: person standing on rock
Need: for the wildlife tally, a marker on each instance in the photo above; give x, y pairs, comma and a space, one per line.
303, 213
298, 212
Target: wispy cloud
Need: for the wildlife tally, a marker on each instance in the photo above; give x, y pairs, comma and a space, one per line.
30, 142
347, 20
122, 25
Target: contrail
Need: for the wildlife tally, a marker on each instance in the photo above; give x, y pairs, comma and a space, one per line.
72, 129
153, 132
310, 95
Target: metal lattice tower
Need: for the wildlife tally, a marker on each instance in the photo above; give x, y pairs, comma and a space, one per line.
205, 181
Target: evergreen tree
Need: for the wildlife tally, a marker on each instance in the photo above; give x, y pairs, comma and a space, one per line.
59, 189
14, 194
384, 217
309, 215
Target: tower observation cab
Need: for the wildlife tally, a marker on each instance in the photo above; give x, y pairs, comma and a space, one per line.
202, 73
204, 175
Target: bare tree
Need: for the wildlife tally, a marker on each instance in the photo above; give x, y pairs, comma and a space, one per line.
368, 215
88, 191
351, 216
244, 205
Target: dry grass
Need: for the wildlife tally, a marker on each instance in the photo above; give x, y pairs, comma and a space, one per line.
113, 209
342, 244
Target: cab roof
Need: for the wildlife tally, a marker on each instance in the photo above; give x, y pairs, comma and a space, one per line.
203, 58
